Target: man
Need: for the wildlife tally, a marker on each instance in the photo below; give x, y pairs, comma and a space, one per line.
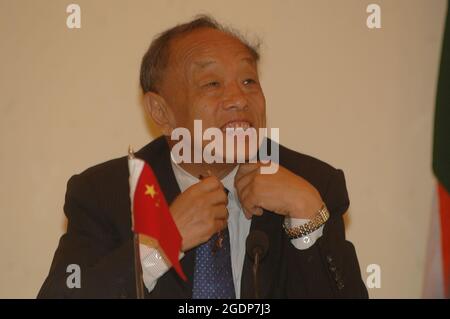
202, 71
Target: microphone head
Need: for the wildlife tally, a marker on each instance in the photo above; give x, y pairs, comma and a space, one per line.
257, 243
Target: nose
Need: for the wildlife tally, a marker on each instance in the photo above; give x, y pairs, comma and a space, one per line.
234, 98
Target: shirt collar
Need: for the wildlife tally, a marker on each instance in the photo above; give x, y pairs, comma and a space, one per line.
185, 179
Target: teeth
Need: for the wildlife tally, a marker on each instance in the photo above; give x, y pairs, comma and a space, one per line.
236, 125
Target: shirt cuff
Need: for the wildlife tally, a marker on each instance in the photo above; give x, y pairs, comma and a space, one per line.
307, 241
153, 265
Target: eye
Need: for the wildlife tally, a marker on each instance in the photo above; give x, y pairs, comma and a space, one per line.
212, 84
249, 81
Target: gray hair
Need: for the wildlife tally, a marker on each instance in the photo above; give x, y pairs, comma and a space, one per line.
156, 58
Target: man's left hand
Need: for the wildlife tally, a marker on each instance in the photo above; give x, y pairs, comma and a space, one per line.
283, 193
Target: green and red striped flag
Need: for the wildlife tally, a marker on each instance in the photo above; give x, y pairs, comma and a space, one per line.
437, 276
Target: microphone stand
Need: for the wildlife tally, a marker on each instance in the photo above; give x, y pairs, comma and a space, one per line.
257, 245
257, 252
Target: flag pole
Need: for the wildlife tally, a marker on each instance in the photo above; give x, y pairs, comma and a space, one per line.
137, 258
138, 268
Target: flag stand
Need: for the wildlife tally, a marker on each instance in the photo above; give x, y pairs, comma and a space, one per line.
138, 268
150, 214
137, 257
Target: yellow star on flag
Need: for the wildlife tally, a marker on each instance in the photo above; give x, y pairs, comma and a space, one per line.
150, 190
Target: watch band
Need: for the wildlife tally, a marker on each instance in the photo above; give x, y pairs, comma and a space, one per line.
318, 220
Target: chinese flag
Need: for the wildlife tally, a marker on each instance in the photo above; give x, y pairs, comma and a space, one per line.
151, 215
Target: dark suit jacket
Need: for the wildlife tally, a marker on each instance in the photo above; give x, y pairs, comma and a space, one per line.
99, 238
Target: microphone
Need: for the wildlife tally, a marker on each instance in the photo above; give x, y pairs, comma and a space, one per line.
257, 245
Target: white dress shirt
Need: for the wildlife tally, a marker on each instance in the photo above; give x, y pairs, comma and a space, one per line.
154, 266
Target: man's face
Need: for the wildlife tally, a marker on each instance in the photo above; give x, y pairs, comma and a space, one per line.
212, 77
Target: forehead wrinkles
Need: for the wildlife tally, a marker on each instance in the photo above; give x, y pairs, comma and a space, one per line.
186, 50
186, 56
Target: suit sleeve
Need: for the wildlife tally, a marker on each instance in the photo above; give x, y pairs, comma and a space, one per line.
329, 269
90, 243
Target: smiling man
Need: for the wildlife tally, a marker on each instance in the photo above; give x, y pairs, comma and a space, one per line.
203, 71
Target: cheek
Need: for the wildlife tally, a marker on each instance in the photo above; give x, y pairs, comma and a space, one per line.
206, 109
258, 103
178, 105
187, 111
181, 117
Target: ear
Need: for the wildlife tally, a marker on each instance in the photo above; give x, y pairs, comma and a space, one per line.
157, 108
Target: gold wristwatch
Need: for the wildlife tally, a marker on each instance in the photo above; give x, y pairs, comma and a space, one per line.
318, 220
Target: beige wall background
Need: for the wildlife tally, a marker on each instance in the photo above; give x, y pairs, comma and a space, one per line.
360, 99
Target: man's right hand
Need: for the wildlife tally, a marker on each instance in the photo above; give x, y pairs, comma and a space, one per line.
200, 212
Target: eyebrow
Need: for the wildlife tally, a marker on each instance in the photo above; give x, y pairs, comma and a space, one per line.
205, 64
249, 60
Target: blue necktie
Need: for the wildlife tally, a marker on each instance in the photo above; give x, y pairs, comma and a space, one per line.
213, 276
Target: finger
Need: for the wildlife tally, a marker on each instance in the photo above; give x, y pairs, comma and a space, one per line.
217, 197
258, 211
246, 196
247, 213
220, 212
207, 184
252, 211
250, 201
220, 224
